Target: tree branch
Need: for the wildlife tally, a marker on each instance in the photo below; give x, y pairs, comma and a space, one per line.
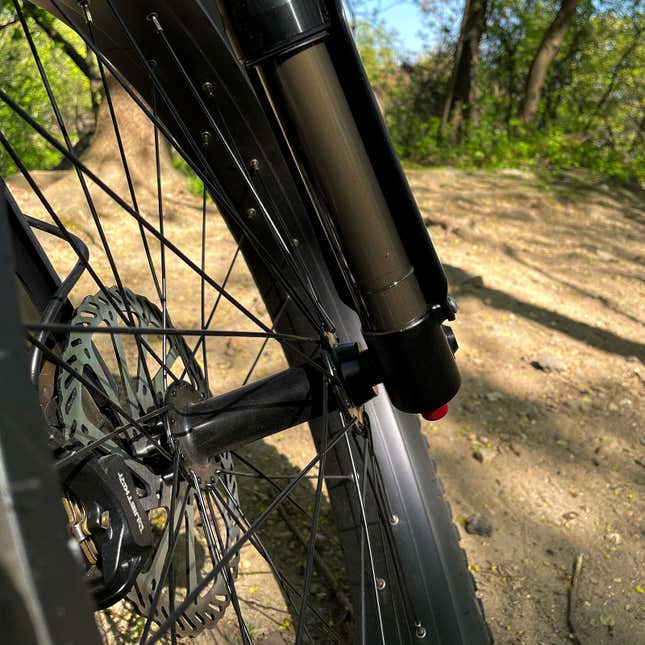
545, 54
76, 57
618, 68
8, 24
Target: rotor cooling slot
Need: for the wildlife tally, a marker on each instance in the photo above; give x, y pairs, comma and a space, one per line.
109, 362
114, 363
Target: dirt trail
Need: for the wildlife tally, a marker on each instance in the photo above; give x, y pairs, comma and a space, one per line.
546, 439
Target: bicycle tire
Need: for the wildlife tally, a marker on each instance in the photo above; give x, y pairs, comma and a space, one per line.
435, 570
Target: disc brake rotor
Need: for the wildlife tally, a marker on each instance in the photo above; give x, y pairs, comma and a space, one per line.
106, 360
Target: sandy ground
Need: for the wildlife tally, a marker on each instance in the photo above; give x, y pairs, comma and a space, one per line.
546, 439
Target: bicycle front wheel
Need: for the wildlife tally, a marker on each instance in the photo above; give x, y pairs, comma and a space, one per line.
135, 294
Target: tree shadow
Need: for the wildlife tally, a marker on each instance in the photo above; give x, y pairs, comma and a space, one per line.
570, 187
605, 302
285, 536
548, 502
593, 336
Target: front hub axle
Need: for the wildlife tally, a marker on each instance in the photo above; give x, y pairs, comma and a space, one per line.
206, 427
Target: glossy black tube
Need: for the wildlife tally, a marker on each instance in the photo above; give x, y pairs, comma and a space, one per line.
209, 427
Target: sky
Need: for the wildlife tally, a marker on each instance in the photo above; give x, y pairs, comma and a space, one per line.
408, 20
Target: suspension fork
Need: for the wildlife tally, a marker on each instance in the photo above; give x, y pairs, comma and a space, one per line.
291, 43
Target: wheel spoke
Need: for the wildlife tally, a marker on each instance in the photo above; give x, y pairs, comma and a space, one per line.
385, 516
240, 473
211, 315
288, 587
368, 543
81, 177
165, 331
210, 530
363, 532
163, 295
122, 364
258, 356
172, 531
171, 519
271, 481
202, 287
119, 141
231, 551
316, 515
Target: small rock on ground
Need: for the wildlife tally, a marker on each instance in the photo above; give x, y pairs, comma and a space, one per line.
479, 525
548, 363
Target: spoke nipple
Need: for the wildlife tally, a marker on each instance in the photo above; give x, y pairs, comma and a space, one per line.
254, 164
86, 10
251, 213
380, 584
154, 18
208, 89
394, 519
104, 521
420, 630
296, 241
206, 138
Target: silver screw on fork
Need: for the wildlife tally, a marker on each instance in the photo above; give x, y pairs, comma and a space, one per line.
420, 630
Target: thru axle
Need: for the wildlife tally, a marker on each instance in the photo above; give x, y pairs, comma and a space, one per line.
207, 427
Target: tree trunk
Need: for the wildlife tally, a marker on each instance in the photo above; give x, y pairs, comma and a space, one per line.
462, 91
102, 157
546, 52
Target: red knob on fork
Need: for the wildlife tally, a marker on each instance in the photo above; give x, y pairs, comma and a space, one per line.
437, 414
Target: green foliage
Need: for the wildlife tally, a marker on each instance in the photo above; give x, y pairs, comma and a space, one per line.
20, 80
592, 111
591, 115
412, 114
193, 182
378, 48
